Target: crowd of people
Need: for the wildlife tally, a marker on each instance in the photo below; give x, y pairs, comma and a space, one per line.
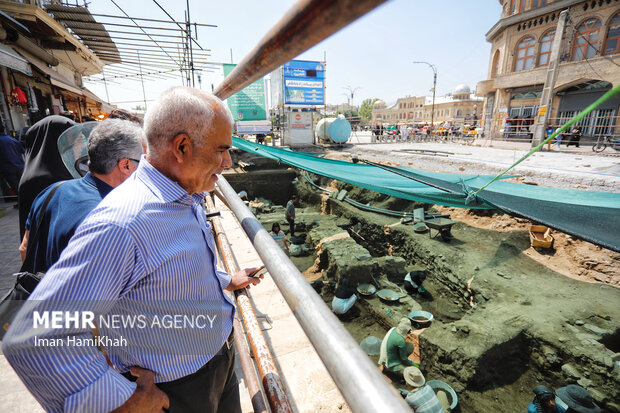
130, 238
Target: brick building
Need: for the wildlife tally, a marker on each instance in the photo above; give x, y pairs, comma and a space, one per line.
459, 108
589, 64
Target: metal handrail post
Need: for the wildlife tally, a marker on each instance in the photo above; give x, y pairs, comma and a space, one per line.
359, 380
273, 385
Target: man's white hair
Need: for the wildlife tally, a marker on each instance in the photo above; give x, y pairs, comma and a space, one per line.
182, 110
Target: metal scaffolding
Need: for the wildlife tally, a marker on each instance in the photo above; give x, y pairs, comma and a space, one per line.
137, 48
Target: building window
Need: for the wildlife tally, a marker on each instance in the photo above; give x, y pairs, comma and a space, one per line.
586, 39
523, 5
525, 54
545, 48
495, 65
612, 44
459, 113
513, 5
538, 3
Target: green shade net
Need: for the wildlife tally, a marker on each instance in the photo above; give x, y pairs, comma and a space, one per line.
589, 215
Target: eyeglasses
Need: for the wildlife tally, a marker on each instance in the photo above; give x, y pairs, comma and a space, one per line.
137, 161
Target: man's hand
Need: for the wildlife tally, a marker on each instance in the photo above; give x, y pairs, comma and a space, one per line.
243, 279
147, 398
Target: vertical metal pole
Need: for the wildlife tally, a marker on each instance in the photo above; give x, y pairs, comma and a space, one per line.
105, 83
434, 88
141, 80
546, 98
188, 25
276, 395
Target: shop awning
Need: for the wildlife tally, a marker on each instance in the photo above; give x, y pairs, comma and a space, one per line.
12, 60
105, 107
56, 78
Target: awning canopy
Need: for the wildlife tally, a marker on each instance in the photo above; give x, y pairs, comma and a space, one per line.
105, 107
56, 78
11, 59
92, 33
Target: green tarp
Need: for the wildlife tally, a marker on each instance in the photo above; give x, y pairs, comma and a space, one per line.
592, 216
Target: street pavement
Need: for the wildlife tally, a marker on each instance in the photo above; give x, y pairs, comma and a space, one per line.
14, 397
574, 168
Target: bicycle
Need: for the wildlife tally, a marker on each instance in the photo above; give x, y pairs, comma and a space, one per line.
603, 142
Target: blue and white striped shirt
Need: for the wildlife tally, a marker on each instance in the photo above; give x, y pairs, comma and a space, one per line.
145, 253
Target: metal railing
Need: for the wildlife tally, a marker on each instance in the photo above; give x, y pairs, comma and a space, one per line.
592, 127
270, 377
358, 378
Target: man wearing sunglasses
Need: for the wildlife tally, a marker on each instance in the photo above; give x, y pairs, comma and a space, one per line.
114, 150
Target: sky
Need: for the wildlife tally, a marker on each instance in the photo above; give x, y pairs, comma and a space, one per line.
373, 55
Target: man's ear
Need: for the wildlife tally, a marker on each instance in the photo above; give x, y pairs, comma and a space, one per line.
124, 164
181, 147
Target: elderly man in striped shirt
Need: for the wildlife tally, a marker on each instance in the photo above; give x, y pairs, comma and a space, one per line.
142, 266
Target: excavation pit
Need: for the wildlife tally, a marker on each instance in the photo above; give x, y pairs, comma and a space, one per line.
503, 321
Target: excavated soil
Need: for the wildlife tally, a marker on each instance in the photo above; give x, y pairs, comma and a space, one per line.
507, 316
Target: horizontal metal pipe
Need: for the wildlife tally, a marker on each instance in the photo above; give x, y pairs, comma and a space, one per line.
98, 25
249, 372
359, 380
278, 400
305, 24
144, 19
12, 36
84, 32
112, 39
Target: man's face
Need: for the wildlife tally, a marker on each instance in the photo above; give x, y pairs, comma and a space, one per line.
210, 159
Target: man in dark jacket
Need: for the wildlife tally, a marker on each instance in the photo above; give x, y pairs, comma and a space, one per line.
11, 159
114, 149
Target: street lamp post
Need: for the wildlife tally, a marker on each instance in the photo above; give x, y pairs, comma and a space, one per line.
434, 87
351, 91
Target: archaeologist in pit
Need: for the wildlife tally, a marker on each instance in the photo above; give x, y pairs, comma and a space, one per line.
544, 401
395, 351
344, 298
290, 214
577, 399
414, 282
279, 237
420, 396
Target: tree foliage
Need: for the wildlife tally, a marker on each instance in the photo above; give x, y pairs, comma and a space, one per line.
366, 109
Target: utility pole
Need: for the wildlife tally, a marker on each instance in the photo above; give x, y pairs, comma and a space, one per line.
189, 41
107, 95
546, 98
351, 91
434, 88
141, 80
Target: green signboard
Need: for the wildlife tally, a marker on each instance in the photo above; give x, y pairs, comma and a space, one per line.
248, 104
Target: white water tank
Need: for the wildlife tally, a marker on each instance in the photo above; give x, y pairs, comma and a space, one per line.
336, 130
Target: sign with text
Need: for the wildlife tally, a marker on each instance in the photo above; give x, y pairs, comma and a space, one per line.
249, 103
304, 83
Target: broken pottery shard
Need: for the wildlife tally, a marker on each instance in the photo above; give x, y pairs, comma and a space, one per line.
595, 329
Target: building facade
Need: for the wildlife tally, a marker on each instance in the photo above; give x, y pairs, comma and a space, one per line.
459, 108
41, 66
589, 66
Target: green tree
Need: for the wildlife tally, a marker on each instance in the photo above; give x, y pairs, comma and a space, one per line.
365, 112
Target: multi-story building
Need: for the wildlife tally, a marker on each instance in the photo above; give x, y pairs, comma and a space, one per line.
42, 64
589, 65
458, 108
